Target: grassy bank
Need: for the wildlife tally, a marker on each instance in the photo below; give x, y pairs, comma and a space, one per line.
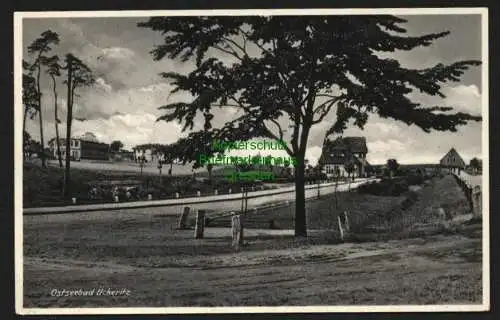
371, 217
44, 186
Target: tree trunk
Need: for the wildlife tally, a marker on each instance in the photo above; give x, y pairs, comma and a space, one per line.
300, 200
69, 119
349, 182
335, 192
44, 163
24, 119
56, 119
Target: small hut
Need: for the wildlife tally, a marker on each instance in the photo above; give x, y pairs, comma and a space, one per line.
452, 162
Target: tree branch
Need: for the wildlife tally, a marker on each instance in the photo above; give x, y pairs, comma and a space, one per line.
237, 45
232, 52
271, 135
325, 110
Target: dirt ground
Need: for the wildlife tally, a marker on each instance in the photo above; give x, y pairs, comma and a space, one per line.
165, 267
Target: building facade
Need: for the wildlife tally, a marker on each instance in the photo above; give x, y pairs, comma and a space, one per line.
151, 153
342, 154
85, 147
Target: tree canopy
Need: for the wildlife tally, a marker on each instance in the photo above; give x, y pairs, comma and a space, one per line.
116, 145
30, 94
475, 163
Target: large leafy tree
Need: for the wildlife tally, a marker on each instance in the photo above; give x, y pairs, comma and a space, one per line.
78, 75
393, 167
38, 48
475, 163
192, 149
299, 69
116, 145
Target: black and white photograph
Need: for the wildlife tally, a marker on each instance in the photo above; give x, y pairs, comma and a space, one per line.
212, 161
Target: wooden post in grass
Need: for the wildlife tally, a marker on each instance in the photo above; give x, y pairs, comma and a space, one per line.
476, 195
244, 206
318, 188
236, 231
200, 224
182, 222
346, 221
341, 230
242, 228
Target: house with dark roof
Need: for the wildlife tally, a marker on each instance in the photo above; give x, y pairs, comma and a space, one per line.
344, 152
85, 147
452, 161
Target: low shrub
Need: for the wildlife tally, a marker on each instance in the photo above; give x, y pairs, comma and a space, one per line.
386, 187
414, 179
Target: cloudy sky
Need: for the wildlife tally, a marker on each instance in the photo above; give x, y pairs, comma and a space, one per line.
124, 103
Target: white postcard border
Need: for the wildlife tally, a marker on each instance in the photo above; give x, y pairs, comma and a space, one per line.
18, 160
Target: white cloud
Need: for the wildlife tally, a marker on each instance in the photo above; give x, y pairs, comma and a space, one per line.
313, 154
102, 84
118, 53
463, 98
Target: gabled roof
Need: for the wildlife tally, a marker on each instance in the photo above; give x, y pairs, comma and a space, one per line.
350, 144
452, 159
335, 152
331, 159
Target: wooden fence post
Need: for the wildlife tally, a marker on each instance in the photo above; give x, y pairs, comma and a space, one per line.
200, 224
476, 201
346, 221
341, 230
242, 229
181, 223
237, 231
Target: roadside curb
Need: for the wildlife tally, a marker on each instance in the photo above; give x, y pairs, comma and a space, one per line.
170, 202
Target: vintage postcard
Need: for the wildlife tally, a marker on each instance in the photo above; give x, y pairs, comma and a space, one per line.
249, 161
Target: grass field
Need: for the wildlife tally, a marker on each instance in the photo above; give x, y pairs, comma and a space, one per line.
162, 266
